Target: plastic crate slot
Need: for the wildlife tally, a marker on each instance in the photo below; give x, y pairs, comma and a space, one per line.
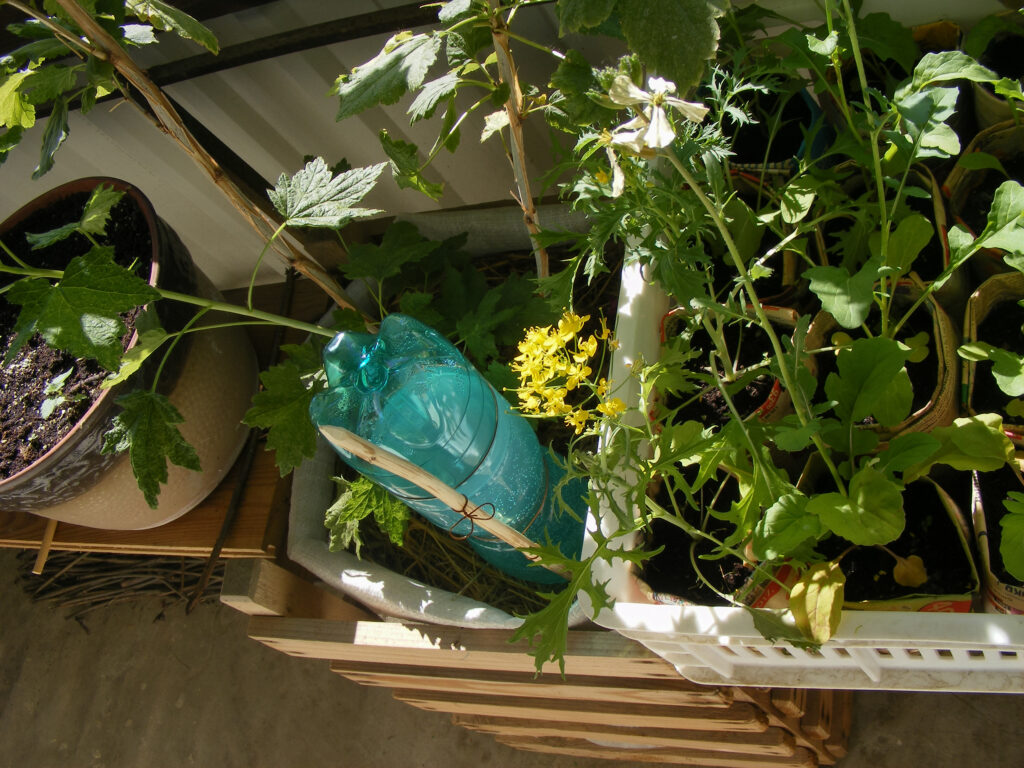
752, 651
885, 653
944, 653
1008, 654
976, 654
913, 653
783, 652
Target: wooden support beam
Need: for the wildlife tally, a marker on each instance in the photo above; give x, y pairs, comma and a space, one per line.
261, 588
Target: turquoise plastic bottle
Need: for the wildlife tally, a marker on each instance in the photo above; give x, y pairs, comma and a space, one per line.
410, 391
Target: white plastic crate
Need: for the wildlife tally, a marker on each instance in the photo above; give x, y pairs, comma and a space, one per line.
885, 650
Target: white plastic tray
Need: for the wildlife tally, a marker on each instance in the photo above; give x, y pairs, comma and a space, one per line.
872, 650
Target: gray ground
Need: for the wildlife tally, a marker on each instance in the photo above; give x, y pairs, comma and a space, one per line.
194, 690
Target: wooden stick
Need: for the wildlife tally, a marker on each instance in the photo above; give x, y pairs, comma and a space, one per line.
347, 441
44, 546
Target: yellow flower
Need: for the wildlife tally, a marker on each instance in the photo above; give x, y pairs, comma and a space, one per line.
601, 177
605, 331
602, 387
577, 420
612, 407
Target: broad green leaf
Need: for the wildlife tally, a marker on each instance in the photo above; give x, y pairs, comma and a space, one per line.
15, 109
39, 240
797, 199
847, 298
97, 209
869, 382
148, 342
49, 82
432, 94
166, 17
786, 525
871, 513
887, 39
1007, 368
981, 161
816, 601
363, 498
912, 234
146, 428
969, 443
580, 15
790, 435
282, 408
420, 305
575, 80
401, 66
405, 166
674, 39
452, 9
1011, 544
1005, 226
401, 245
494, 123
823, 47
946, 66
81, 313
906, 450
744, 227
315, 198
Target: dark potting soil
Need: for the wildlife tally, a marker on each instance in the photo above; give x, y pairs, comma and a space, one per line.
748, 345
1002, 328
929, 534
27, 435
994, 488
1003, 56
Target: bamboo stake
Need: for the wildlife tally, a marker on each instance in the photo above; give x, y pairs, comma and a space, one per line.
44, 546
347, 441
169, 121
513, 107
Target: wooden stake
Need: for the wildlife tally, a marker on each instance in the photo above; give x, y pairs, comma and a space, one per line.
347, 441
44, 546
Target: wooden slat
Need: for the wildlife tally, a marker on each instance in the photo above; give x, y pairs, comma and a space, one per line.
261, 588
732, 719
583, 748
774, 741
790, 701
842, 721
191, 535
762, 698
604, 654
506, 683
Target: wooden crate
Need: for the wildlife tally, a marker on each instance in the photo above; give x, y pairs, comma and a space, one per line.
617, 700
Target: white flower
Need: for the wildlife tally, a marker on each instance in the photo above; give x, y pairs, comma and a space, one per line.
652, 129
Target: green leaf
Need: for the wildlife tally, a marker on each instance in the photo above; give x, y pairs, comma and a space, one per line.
146, 428
494, 123
40, 240
432, 94
816, 601
579, 15
1011, 543
906, 450
138, 34
823, 47
452, 9
912, 234
790, 435
797, 199
402, 244
785, 526
420, 305
981, 161
773, 626
1007, 368
360, 499
871, 513
946, 66
167, 17
282, 408
80, 314
15, 108
1005, 226
315, 198
969, 443
887, 39
400, 66
49, 82
848, 299
674, 39
869, 382
405, 166
97, 209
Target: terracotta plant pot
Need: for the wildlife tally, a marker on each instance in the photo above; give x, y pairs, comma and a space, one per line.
210, 379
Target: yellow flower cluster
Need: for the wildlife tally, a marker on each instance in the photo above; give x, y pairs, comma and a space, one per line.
554, 361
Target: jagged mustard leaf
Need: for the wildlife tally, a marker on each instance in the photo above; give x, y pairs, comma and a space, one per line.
282, 408
314, 197
360, 499
80, 314
146, 429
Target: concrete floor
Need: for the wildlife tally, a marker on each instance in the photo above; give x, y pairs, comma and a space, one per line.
195, 691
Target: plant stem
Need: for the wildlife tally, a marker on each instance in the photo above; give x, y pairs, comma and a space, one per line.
256, 314
174, 342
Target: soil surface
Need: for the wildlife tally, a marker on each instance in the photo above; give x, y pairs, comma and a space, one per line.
27, 434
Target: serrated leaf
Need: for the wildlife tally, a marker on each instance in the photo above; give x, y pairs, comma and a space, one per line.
282, 408
146, 428
494, 123
816, 601
167, 17
405, 166
402, 244
871, 513
54, 134
452, 9
151, 337
786, 525
138, 34
400, 66
49, 82
579, 15
420, 305
80, 314
361, 499
97, 209
15, 109
847, 298
315, 198
674, 39
432, 94
1005, 225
